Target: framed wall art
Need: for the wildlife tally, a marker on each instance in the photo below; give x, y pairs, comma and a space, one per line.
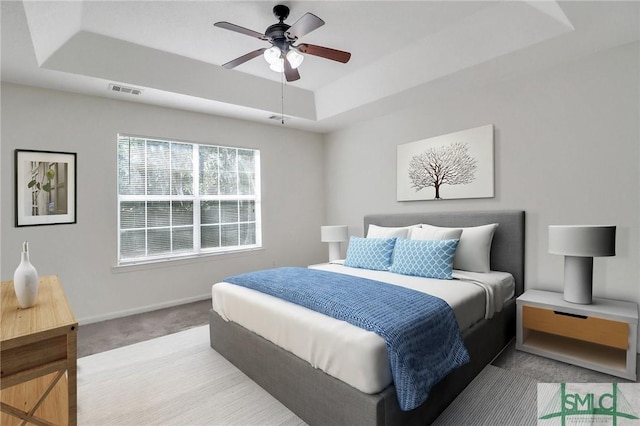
45, 191
451, 166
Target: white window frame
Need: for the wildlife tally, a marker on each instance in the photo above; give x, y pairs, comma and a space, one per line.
196, 198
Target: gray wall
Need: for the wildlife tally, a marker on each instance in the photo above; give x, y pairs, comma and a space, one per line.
566, 152
83, 254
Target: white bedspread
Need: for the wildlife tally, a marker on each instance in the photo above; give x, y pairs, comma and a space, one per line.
348, 353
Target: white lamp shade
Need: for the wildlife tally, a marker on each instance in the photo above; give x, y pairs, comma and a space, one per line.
334, 233
582, 240
294, 58
277, 66
272, 55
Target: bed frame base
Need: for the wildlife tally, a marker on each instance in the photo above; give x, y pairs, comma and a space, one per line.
320, 399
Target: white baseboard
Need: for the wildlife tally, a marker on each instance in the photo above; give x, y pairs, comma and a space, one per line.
142, 309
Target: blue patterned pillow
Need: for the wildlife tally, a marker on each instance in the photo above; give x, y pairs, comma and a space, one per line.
424, 258
370, 253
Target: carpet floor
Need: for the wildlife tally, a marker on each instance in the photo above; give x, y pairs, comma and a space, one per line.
105, 335
179, 380
495, 397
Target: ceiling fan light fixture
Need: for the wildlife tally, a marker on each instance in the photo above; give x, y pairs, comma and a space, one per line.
272, 55
283, 38
277, 66
294, 58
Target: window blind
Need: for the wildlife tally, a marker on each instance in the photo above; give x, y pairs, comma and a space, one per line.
178, 199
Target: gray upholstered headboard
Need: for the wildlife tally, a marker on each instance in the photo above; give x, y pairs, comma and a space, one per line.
507, 249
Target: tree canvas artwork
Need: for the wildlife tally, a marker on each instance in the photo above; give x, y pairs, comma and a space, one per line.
451, 166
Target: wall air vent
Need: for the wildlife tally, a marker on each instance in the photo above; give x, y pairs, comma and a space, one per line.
124, 89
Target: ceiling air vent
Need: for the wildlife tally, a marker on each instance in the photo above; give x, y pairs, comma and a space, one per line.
124, 89
279, 118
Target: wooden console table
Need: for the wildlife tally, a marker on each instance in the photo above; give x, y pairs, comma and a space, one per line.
37, 347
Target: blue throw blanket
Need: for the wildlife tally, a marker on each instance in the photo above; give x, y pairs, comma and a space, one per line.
420, 331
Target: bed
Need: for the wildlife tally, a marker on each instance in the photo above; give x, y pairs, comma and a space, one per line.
322, 399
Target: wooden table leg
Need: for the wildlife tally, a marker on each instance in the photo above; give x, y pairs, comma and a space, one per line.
72, 378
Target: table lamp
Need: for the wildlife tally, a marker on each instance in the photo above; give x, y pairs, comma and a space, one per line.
580, 244
334, 235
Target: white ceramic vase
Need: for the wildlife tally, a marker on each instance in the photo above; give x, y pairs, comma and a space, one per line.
25, 280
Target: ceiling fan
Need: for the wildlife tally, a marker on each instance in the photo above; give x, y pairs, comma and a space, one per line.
283, 55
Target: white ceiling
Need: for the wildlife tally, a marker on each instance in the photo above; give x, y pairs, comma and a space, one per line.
401, 51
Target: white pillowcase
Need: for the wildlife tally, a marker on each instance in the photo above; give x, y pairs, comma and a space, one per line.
376, 231
428, 232
474, 249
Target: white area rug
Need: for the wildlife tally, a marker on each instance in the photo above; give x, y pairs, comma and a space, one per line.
179, 380
172, 380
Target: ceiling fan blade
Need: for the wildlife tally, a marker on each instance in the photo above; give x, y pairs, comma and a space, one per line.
307, 23
325, 52
239, 29
290, 73
244, 58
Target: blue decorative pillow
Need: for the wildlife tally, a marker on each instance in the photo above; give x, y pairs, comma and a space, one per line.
370, 253
424, 258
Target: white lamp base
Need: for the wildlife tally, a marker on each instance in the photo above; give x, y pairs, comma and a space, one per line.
578, 279
334, 251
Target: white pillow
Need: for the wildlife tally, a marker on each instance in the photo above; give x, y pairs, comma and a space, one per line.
429, 232
474, 249
376, 231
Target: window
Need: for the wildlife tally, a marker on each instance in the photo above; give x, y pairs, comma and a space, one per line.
178, 199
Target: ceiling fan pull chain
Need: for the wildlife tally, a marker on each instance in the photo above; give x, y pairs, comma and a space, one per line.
282, 97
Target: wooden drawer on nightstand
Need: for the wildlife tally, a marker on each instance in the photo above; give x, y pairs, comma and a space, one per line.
590, 329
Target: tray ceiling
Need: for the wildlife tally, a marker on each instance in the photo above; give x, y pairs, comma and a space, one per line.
401, 51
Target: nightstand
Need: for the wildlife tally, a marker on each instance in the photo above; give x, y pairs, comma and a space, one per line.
601, 336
